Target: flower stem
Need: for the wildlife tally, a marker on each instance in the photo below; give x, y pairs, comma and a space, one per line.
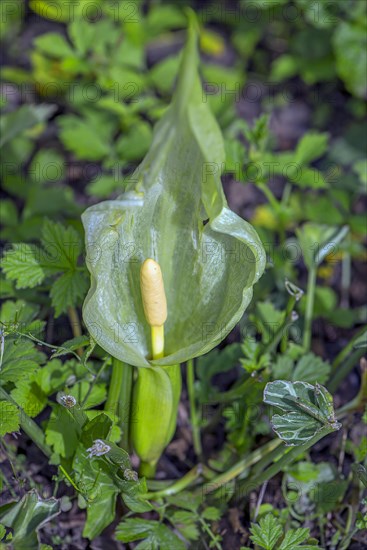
311, 287
147, 469
119, 397
29, 426
157, 342
193, 411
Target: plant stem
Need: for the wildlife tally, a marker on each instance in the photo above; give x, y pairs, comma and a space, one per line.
178, 485
240, 467
157, 342
344, 369
289, 455
311, 286
288, 316
29, 426
360, 399
147, 469
119, 397
75, 326
193, 411
346, 351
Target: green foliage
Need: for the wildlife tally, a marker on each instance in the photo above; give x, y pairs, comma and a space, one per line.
9, 418
78, 107
267, 533
308, 409
156, 535
27, 516
29, 265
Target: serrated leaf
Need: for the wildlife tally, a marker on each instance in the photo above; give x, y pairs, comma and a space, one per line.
67, 290
20, 359
266, 533
62, 245
311, 368
22, 264
293, 538
9, 418
30, 397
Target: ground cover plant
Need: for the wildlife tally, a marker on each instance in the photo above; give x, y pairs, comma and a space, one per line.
183, 275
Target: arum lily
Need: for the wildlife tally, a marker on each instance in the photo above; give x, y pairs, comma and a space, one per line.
173, 212
209, 269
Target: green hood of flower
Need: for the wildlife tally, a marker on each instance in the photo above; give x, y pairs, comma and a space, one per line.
175, 212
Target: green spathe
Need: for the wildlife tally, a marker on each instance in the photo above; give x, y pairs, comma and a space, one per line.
209, 269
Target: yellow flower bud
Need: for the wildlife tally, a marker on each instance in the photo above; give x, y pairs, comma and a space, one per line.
152, 292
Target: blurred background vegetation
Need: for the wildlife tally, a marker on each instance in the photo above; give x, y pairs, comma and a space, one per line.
83, 83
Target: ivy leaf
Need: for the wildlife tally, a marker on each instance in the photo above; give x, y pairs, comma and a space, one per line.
266, 533
308, 409
27, 516
294, 538
22, 264
9, 418
62, 434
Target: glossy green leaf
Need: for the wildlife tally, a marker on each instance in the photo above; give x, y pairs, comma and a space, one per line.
26, 516
307, 410
175, 212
